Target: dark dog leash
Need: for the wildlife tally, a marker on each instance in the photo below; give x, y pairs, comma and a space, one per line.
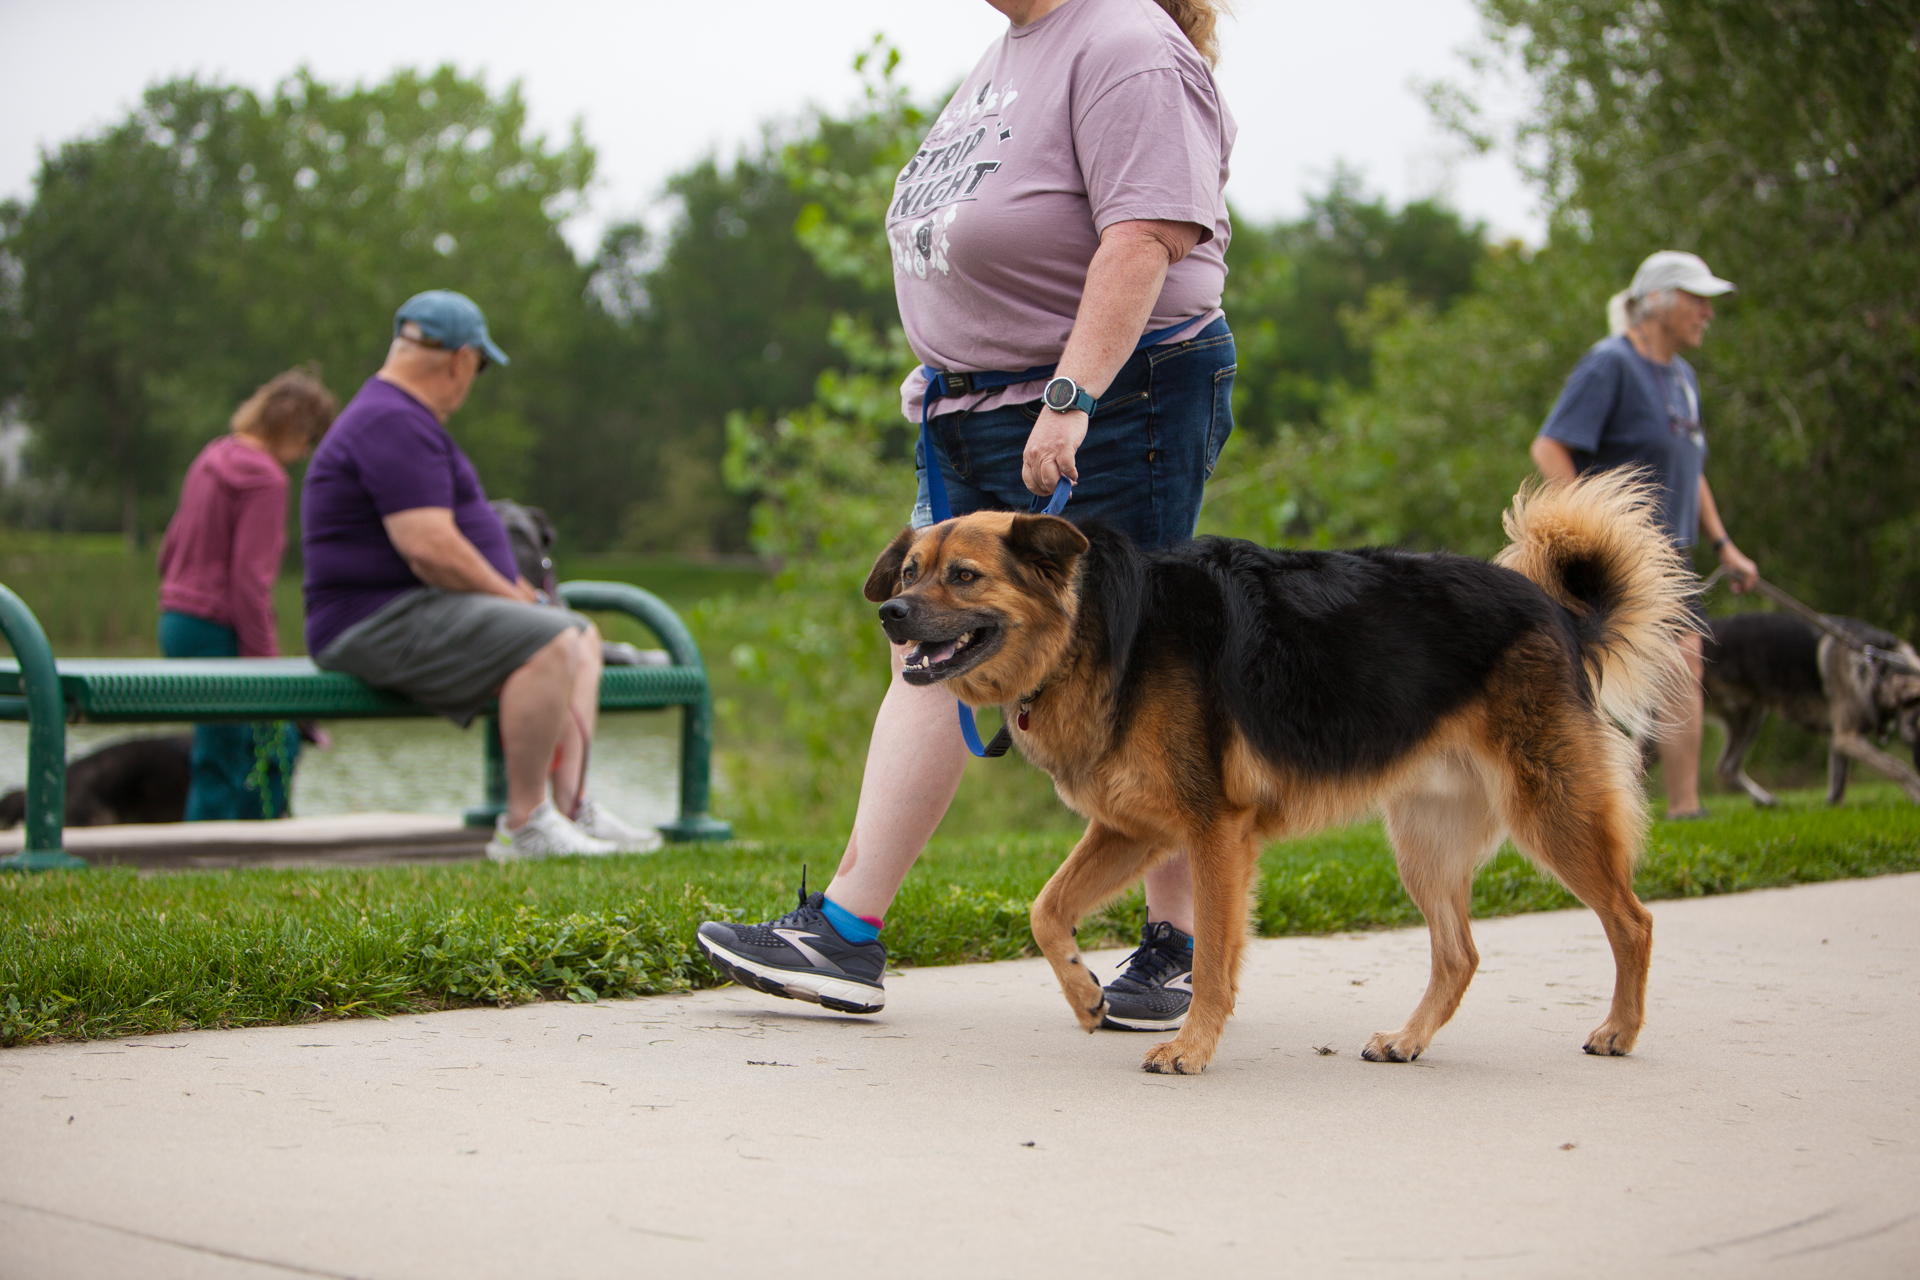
1871, 653
942, 383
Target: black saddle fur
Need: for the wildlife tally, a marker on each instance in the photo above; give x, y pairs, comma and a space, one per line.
1331, 662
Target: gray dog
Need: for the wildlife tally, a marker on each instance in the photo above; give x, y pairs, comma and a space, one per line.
1761, 662
532, 536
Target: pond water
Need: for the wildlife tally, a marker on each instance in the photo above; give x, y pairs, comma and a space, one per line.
426, 766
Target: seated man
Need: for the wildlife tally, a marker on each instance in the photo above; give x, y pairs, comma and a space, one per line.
411, 584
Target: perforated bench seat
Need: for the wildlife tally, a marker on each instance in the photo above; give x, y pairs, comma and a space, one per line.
49, 694
148, 690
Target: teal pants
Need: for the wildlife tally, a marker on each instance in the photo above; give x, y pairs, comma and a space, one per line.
239, 770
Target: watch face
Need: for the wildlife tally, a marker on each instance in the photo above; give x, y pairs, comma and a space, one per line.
1060, 394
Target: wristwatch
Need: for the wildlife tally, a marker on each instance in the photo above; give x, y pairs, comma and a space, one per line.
1063, 395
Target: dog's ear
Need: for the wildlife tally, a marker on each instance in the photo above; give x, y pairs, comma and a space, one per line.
548, 534
885, 578
1048, 543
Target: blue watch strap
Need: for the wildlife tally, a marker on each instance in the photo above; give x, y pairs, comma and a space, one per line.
1082, 399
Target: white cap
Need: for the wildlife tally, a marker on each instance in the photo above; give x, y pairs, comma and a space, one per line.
1672, 269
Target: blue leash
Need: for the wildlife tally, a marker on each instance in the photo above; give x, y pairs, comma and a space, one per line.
941, 384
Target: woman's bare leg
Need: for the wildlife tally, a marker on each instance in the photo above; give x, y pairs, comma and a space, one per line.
915, 761
1680, 745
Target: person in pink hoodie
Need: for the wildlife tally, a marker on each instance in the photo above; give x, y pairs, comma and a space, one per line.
218, 562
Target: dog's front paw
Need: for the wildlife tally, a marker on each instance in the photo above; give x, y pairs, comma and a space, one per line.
1090, 1019
1609, 1041
1392, 1046
1173, 1059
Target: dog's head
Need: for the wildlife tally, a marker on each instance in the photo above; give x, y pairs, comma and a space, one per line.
987, 601
1899, 695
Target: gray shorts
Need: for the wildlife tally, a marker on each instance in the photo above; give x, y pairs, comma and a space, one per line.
450, 651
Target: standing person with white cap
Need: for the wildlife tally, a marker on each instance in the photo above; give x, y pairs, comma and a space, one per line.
1632, 401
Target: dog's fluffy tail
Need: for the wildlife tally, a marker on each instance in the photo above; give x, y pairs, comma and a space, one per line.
1595, 546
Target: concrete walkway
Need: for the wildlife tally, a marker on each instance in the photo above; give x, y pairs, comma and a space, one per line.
1765, 1127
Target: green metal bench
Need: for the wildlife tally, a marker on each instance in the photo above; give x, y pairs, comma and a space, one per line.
49, 694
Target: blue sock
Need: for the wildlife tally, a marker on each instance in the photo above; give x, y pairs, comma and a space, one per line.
848, 925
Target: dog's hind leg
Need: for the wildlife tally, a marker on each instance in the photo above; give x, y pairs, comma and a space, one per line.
1588, 835
1838, 766
1101, 865
1440, 833
1223, 860
1743, 726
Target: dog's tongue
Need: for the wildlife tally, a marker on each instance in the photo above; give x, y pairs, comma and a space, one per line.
929, 654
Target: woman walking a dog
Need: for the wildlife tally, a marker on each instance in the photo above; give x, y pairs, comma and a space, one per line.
218, 563
1634, 402
1063, 224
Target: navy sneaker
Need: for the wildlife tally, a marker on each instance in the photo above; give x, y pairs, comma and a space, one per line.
800, 956
1154, 992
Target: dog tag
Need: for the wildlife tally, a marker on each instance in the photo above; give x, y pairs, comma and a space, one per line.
1023, 719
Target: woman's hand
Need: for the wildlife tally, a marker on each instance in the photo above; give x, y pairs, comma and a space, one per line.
1123, 282
1742, 573
1051, 447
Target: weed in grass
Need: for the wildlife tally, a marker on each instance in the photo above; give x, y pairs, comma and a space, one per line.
108, 953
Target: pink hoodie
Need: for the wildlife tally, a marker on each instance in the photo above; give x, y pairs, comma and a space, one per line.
222, 549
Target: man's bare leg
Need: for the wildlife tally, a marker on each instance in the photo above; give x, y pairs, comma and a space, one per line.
576, 735
1680, 744
533, 710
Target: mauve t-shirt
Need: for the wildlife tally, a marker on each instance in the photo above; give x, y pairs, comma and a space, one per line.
386, 452
1100, 112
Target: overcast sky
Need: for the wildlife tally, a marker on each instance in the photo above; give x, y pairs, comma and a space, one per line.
658, 84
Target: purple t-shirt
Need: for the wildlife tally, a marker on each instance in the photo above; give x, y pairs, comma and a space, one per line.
1100, 112
386, 452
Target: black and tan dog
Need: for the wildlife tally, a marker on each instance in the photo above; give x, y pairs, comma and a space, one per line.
1217, 695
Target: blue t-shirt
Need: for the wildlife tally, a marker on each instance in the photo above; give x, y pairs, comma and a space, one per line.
386, 452
1621, 409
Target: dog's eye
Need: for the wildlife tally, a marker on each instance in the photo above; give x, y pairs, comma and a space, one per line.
907, 576
965, 575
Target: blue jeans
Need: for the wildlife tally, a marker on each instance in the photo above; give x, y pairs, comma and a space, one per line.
1151, 444
239, 770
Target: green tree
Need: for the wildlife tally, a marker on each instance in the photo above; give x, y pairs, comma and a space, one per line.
1289, 283
168, 265
1776, 138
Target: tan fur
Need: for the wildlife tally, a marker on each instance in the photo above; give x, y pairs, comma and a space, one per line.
1609, 517
1526, 757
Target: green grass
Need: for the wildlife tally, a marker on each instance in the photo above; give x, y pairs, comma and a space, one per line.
108, 953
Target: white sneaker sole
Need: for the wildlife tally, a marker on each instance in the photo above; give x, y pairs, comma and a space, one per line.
842, 994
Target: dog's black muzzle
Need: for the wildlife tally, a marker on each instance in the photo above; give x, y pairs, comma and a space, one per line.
945, 643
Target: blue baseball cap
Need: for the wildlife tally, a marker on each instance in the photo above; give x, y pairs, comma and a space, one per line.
448, 319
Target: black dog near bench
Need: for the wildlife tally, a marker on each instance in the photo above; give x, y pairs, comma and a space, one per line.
138, 780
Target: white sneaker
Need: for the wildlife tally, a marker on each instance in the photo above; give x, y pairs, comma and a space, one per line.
602, 825
548, 834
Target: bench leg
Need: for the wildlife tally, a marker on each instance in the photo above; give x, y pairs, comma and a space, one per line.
696, 766
46, 742
488, 812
